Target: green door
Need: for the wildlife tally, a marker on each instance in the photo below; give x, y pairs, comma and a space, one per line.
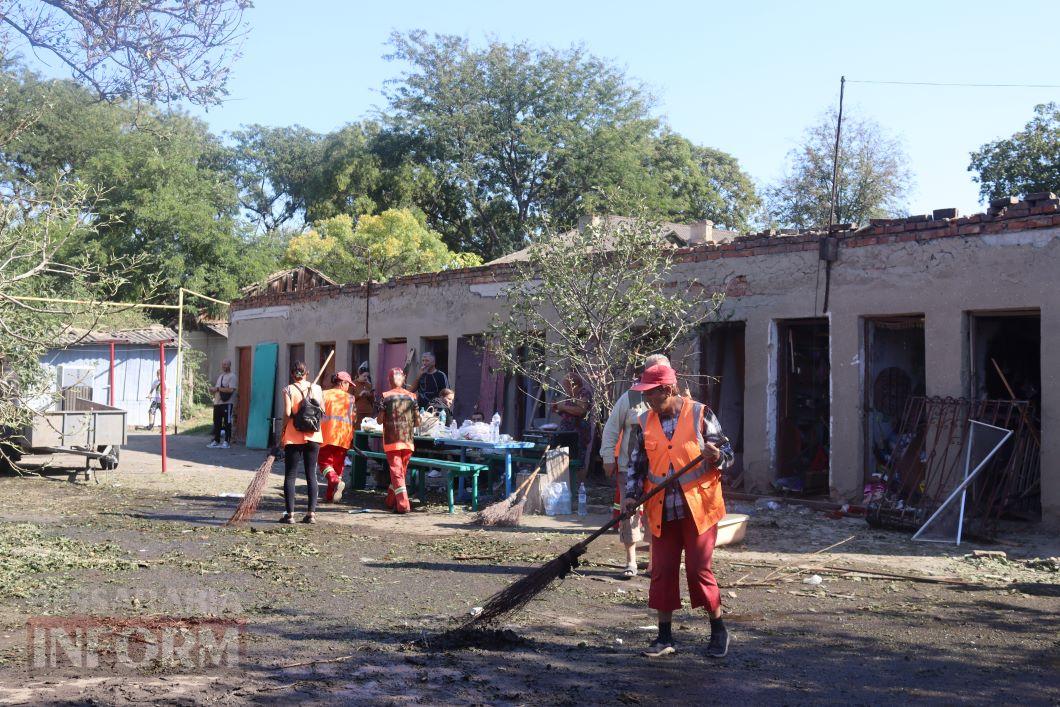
262, 395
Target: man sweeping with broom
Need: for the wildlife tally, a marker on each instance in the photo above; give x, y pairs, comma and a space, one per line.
673, 433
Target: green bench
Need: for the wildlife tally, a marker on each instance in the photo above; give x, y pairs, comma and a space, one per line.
453, 470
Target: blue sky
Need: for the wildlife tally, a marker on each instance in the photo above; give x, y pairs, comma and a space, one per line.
746, 77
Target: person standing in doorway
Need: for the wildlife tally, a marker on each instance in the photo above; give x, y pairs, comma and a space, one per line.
336, 429
673, 432
399, 417
298, 444
614, 450
155, 394
429, 381
224, 392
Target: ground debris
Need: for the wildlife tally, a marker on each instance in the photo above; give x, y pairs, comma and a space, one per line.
485, 639
34, 561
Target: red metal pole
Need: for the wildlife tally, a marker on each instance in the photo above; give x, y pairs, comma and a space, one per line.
162, 393
111, 375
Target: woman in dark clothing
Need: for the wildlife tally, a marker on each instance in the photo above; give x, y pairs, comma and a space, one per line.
298, 444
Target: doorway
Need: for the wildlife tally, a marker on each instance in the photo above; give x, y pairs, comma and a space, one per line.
323, 351
392, 354
243, 377
358, 353
439, 346
803, 407
893, 352
721, 383
295, 353
468, 378
1013, 344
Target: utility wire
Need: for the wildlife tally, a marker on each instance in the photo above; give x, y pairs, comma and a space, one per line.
959, 85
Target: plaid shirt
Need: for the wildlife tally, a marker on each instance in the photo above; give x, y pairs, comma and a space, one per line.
673, 500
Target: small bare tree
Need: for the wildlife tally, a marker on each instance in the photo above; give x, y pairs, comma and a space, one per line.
148, 50
596, 301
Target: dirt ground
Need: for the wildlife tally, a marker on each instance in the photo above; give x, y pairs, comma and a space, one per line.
372, 594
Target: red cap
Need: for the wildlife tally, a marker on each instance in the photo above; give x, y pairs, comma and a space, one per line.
343, 376
653, 377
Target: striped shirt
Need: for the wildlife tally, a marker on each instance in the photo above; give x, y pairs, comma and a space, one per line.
637, 472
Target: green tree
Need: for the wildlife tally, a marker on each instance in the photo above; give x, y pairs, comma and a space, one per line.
156, 49
873, 177
595, 302
392, 243
517, 131
686, 182
273, 168
165, 182
1027, 162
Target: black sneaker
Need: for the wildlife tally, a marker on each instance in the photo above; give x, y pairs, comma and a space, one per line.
286, 519
660, 648
719, 644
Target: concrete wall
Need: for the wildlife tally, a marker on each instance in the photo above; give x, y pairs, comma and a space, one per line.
943, 275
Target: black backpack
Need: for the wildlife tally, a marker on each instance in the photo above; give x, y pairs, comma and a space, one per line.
309, 413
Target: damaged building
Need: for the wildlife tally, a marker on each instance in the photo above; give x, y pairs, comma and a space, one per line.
821, 342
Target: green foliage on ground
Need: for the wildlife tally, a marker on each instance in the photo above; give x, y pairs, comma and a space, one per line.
35, 561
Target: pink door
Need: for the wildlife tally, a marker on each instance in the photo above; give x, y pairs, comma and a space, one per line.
391, 355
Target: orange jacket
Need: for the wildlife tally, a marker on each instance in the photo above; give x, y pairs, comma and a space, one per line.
293, 395
701, 486
337, 424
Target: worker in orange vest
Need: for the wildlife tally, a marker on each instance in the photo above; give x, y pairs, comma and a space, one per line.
399, 417
336, 427
673, 432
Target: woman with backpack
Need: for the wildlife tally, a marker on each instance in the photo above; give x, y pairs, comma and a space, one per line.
300, 438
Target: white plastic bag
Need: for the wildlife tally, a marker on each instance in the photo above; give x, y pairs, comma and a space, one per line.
557, 499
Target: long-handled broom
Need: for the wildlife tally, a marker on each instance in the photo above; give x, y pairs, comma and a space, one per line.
509, 511
517, 595
252, 496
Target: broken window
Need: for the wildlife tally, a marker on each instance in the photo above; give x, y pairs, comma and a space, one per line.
893, 355
803, 407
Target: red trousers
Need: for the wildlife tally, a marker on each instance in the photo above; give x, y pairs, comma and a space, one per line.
664, 593
330, 461
397, 496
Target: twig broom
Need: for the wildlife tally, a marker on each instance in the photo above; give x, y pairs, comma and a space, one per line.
252, 496
517, 595
509, 511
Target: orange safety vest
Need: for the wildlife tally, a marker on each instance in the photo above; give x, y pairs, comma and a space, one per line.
337, 424
701, 487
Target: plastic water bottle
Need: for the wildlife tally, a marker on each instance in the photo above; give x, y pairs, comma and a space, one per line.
563, 502
583, 501
495, 427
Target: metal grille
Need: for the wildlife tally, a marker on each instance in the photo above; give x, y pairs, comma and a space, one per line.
927, 462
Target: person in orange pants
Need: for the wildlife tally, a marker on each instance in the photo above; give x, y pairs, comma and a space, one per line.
336, 427
399, 417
